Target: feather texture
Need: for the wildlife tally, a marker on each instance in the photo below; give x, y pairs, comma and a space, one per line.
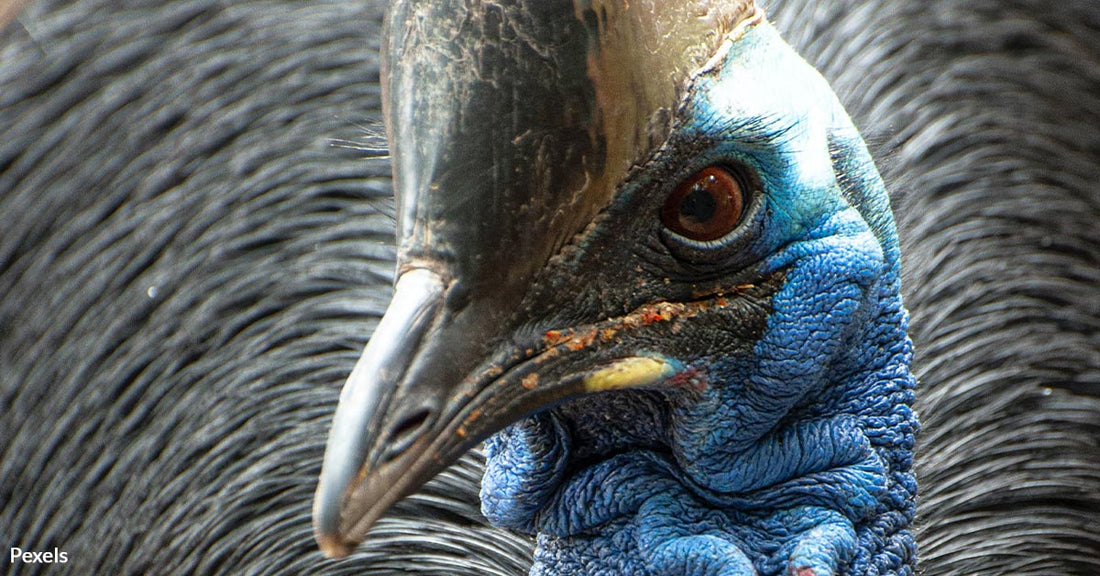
192, 254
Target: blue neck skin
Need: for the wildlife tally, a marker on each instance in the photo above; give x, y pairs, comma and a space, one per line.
792, 460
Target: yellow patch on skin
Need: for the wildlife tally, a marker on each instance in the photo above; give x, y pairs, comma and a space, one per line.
628, 373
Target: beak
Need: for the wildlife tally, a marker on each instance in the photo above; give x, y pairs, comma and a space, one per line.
404, 415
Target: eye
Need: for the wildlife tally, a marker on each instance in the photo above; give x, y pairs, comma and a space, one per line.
706, 206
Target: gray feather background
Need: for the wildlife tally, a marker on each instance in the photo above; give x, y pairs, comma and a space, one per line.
195, 244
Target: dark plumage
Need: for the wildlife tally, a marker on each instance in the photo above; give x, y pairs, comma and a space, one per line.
194, 249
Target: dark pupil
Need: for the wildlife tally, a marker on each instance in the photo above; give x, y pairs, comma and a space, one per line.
699, 205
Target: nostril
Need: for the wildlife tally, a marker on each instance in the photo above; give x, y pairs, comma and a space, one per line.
410, 423
406, 429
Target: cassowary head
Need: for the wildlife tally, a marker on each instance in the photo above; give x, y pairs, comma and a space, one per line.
643, 244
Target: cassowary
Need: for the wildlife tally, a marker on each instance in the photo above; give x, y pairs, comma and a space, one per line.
194, 250
654, 228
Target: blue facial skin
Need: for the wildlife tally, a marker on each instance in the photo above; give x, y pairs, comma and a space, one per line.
795, 459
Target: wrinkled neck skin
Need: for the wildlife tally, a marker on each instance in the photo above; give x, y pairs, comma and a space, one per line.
791, 456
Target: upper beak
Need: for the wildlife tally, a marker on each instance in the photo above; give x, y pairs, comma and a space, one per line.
425, 390
384, 363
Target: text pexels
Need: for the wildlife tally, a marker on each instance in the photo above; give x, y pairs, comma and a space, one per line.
54, 556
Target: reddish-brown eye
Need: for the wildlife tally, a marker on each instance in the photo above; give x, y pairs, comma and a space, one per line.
706, 206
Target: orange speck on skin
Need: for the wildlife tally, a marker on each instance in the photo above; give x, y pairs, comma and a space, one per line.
581, 341
662, 314
530, 381
461, 432
552, 337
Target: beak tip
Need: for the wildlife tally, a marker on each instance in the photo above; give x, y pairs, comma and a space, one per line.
333, 546
326, 525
